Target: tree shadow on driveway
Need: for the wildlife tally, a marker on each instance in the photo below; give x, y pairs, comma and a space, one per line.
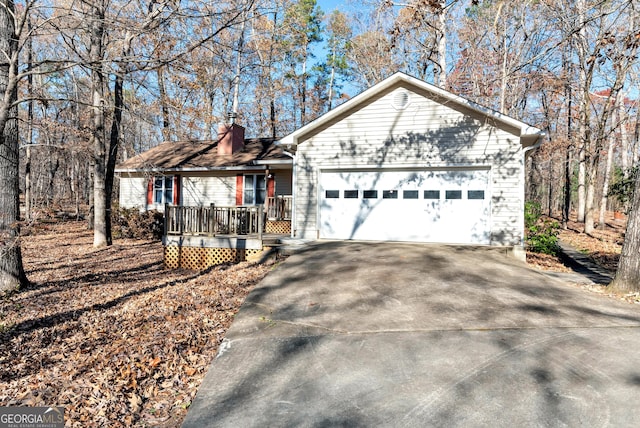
392, 334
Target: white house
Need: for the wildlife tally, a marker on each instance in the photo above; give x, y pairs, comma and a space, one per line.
407, 161
402, 161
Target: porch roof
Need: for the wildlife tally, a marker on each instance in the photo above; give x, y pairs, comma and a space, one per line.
203, 155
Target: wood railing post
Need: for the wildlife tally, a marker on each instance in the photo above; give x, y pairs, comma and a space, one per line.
166, 219
212, 213
260, 220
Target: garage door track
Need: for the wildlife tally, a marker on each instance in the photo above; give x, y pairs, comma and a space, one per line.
368, 334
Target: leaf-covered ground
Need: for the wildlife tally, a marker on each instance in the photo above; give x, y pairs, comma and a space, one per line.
109, 333
603, 246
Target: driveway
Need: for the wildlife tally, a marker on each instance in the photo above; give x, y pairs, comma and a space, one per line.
386, 334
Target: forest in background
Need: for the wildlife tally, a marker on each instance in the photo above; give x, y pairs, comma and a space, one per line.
97, 81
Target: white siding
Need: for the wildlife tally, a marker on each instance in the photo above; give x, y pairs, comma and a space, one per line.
133, 191
203, 190
425, 134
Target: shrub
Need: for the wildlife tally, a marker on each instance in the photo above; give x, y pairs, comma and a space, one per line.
136, 224
542, 233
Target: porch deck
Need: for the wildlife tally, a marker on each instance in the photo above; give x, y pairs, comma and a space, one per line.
200, 237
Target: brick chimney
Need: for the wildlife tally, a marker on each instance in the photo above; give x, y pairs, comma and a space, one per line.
230, 138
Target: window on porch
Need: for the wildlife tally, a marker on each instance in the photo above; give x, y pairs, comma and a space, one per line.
255, 189
163, 190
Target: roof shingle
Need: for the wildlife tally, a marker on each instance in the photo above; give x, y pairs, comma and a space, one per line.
203, 154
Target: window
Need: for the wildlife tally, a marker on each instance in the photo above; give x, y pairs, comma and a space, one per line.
370, 194
332, 194
475, 194
163, 190
453, 194
351, 194
255, 189
389, 194
432, 194
409, 194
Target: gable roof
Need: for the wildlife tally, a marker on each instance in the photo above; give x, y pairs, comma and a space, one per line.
203, 156
529, 135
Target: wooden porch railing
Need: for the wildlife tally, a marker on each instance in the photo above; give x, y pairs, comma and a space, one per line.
279, 207
214, 220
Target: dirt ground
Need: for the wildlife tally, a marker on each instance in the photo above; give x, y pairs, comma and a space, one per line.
109, 333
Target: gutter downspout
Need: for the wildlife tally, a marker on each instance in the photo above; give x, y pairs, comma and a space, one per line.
293, 191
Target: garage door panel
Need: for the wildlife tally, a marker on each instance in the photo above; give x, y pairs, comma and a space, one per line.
422, 206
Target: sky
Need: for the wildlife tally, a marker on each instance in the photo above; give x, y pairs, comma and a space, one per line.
329, 5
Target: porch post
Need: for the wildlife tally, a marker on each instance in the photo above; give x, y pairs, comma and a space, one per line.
166, 218
212, 222
260, 220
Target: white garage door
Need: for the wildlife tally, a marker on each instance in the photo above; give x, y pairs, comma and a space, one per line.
446, 206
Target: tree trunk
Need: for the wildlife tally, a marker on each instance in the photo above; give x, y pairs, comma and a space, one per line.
332, 78
27, 179
605, 185
27, 173
582, 178
627, 277
589, 226
114, 142
504, 76
54, 164
302, 88
636, 140
584, 84
12, 275
272, 92
164, 106
96, 53
442, 45
566, 206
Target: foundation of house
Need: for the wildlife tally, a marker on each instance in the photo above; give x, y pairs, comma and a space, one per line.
202, 252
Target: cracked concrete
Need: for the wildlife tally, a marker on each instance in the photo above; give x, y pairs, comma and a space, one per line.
391, 334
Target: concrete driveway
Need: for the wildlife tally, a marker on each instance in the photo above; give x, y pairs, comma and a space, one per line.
368, 334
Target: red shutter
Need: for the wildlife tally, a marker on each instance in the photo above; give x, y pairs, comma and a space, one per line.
239, 190
150, 191
176, 190
271, 187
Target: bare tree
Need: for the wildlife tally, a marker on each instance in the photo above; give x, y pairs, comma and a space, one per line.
11, 270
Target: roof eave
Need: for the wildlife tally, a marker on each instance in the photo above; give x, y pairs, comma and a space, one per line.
259, 166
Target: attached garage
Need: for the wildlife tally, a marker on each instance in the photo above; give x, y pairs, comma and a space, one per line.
447, 206
407, 161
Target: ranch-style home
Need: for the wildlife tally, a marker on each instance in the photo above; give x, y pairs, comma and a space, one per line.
402, 161
230, 171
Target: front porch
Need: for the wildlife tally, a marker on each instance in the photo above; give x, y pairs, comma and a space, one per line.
197, 238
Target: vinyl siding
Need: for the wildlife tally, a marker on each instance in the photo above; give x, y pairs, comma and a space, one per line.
425, 134
197, 189
205, 190
133, 191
